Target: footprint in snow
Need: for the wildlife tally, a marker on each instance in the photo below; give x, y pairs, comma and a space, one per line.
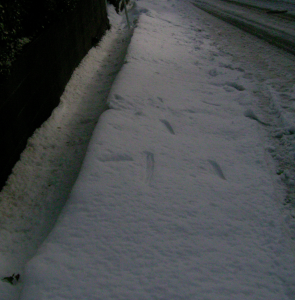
213, 73
230, 67
118, 97
150, 165
116, 158
168, 125
217, 169
211, 103
249, 113
236, 86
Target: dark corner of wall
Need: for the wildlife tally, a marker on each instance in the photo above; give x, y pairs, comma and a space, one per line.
40, 74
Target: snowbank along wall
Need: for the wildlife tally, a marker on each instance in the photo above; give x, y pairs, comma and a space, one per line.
40, 74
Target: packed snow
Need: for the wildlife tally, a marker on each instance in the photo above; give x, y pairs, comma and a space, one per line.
271, 5
178, 196
273, 21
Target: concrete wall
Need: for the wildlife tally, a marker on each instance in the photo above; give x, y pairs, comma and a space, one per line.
40, 75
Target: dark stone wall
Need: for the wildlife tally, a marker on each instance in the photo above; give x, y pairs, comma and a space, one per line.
40, 74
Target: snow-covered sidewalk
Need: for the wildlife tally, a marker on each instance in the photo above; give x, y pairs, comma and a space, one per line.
174, 199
